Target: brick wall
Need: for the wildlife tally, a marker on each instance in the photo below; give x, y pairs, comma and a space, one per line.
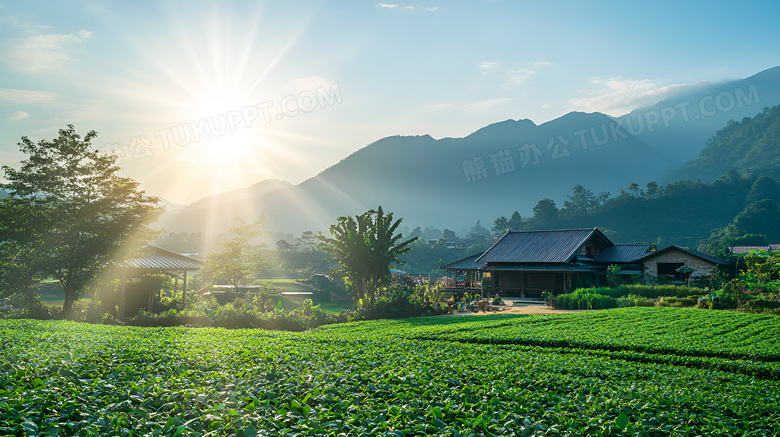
700, 267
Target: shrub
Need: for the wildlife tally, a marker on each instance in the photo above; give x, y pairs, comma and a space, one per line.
635, 301
656, 291
677, 302
584, 299
760, 305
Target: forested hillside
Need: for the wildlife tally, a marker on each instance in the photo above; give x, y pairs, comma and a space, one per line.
751, 146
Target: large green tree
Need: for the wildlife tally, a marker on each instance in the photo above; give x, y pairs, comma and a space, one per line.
239, 257
69, 213
365, 246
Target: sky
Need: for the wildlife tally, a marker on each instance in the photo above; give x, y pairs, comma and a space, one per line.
201, 97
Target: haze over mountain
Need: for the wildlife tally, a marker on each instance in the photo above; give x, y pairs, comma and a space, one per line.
500, 168
452, 181
680, 126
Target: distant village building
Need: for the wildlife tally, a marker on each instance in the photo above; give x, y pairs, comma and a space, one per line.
747, 249
152, 260
528, 263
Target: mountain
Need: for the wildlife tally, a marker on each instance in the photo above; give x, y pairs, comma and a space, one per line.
506, 166
751, 146
680, 126
241, 194
499, 168
170, 207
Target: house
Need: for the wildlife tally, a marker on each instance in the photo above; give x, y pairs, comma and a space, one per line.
151, 260
528, 263
680, 264
463, 274
746, 249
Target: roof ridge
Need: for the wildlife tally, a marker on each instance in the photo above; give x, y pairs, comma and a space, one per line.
553, 230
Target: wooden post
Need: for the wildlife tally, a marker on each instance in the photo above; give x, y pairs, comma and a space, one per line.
175, 286
184, 288
522, 284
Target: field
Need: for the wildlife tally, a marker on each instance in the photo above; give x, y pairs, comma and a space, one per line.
633, 371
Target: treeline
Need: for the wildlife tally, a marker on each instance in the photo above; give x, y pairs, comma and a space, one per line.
733, 209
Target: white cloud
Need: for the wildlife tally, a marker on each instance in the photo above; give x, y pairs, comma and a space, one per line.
18, 115
432, 9
38, 98
489, 65
616, 96
406, 8
40, 52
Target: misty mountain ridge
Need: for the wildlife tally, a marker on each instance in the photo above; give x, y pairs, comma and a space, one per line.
454, 181
505, 166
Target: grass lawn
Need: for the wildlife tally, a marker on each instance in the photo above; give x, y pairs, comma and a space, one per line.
285, 285
336, 307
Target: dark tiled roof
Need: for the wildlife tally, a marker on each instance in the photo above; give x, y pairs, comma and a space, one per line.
691, 252
746, 249
623, 253
554, 246
535, 267
464, 263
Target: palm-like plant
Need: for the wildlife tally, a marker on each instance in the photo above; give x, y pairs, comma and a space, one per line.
365, 246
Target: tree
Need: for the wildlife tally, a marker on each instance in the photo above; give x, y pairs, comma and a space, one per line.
652, 190
416, 232
515, 221
69, 213
764, 188
500, 226
545, 213
239, 258
449, 235
479, 232
581, 201
308, 240
365, 246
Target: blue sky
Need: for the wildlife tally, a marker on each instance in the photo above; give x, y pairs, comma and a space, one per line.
201, 97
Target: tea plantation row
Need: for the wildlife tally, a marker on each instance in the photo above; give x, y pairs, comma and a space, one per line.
615, 372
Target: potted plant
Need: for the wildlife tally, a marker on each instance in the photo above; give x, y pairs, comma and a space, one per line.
549, 298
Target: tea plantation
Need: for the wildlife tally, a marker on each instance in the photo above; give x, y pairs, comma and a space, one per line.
633, 371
